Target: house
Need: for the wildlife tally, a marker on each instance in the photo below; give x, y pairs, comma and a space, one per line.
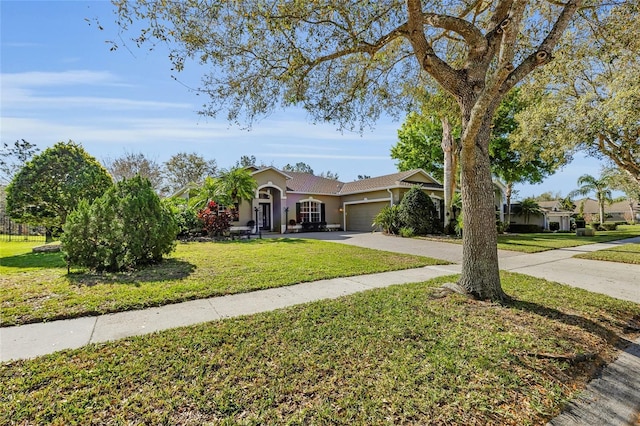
307, 200
283, 197
621, 211
551, 212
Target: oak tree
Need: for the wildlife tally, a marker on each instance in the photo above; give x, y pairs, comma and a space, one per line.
184, 168
348, 62
131, 164
52, 183
589, 97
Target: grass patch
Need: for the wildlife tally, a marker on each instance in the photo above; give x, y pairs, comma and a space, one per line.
36, 287
626, 253
534, 243
386, 356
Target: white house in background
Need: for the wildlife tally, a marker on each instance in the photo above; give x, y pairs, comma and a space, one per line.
551, 212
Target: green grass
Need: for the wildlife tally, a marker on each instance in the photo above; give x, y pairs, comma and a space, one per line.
36, 287
533, 243
386, 356
626, 253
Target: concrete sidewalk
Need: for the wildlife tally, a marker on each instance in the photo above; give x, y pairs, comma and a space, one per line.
32, 340
613, 398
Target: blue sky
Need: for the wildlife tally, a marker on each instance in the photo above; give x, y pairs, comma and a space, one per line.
60, 81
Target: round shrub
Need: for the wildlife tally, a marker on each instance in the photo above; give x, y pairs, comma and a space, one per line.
417, 211
125, 228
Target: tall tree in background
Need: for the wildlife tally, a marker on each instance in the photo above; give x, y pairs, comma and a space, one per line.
14, 157
183, 169
429, 141
131, 164
300, 167
348, 62
589, 97
247, 161
52, 184
517, 163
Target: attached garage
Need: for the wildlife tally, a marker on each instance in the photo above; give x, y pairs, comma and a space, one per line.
360, 216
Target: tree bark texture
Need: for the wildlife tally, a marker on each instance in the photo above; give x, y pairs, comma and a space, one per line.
480, 272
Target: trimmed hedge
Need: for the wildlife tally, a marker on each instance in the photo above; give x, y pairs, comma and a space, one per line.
525, 228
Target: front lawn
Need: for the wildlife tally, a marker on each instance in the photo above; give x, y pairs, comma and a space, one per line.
626, 253
35, 286
386, 356
533, 243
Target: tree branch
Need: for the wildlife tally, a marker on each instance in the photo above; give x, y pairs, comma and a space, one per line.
442, 72
543, 52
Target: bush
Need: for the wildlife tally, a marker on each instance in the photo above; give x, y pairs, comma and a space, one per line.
609, 226
524, 228
417, 211
595, 225
186, 218
126, 227
407, 232
388, 219
215, 222
554, 226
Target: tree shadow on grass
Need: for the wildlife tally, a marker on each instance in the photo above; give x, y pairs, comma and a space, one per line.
167, 270
34, 260
609, 335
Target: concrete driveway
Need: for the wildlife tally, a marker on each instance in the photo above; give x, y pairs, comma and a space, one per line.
618, 280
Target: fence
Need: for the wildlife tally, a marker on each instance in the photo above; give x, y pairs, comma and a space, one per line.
11, 231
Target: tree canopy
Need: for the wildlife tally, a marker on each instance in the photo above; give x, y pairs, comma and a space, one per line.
589, 97
348, 62
130, 164
184, 168
52, 184
13, 158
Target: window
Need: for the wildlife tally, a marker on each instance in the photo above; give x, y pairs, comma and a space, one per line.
233, 210
309, 211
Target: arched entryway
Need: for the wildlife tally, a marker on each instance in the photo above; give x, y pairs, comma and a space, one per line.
269, 208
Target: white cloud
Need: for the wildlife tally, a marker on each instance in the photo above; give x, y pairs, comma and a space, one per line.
64, 78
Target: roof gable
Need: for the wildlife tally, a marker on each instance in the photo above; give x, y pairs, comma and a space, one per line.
406, 179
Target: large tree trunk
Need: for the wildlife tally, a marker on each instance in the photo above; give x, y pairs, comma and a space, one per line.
480, 272
450, 166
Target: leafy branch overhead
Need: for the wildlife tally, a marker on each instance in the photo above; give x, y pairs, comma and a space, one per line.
335, 58
348, 62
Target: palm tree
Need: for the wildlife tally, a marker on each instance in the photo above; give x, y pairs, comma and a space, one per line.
236, 184
601, 187
527, 207
204, 194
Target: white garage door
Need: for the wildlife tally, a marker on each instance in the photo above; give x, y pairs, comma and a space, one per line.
360, 216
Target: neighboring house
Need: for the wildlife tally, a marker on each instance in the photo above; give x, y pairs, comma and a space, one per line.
551, 212
622, 211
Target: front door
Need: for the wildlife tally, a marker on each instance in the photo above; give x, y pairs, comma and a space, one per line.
264, 216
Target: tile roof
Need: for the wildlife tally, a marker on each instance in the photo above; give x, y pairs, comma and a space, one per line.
387, 181
311, 184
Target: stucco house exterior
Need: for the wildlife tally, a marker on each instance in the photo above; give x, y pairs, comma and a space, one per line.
308, 199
